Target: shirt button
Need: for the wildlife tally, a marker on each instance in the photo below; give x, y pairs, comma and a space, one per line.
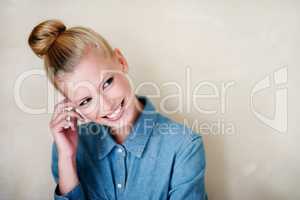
120, 150
119, 185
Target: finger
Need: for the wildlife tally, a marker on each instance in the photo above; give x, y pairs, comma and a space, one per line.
66, 116
60, 127
70, 124
73, 125
62, 107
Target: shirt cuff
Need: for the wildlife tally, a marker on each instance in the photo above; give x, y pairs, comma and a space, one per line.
75, 194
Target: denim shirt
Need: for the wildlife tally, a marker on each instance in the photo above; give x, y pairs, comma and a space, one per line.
160, 159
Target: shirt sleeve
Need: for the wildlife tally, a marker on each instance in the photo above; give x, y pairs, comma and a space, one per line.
76, 193
188, 177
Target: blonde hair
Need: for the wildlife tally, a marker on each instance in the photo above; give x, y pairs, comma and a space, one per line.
62, 48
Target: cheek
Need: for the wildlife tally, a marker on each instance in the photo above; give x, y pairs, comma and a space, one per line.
120, 87
90, 112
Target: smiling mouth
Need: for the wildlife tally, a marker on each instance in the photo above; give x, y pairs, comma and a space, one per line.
117, 113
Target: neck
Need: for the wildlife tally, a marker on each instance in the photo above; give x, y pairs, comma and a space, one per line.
120, 134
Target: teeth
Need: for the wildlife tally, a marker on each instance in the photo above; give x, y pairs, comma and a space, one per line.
115, 113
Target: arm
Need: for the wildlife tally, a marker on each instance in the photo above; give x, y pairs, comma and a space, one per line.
188, 178
69, 183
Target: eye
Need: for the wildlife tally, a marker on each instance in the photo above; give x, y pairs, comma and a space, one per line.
84, 102
108, 82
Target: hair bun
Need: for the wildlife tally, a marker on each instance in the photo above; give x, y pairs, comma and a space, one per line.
44, 35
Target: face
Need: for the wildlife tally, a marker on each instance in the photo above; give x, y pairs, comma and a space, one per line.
99, 88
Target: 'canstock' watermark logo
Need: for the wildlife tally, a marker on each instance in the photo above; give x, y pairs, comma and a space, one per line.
279, 121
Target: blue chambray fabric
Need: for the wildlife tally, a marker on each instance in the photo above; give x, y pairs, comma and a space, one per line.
159, 160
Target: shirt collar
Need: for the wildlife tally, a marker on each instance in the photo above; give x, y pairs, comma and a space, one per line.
140, 133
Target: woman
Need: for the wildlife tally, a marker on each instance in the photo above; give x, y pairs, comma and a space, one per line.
126, 149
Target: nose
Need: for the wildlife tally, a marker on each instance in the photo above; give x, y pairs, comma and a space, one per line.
107, 105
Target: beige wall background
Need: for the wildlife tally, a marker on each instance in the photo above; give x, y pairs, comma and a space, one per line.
248, 48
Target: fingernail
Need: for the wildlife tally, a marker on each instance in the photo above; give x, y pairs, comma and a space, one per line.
68, 109
68, 118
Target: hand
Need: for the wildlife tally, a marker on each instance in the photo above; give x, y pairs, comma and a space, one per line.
63, 126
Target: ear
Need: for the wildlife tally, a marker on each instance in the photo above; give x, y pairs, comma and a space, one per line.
121, 59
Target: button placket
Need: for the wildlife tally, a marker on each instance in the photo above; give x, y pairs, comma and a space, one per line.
121, 152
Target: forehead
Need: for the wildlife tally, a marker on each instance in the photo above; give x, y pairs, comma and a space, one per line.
87, 74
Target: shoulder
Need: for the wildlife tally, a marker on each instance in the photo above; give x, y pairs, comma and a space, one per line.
176, 135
